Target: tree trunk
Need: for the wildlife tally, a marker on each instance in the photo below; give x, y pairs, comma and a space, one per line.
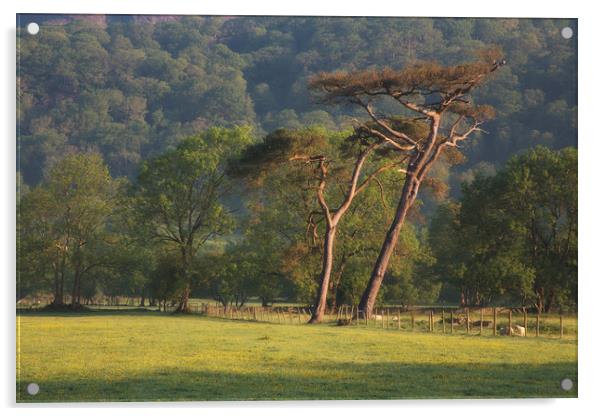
62, 287
318, 313
183, 305
187, 254
58, 295
549, 301
418, 167
75, 290
408, 196
540, 300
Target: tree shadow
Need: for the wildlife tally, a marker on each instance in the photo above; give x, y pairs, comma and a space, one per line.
316, 380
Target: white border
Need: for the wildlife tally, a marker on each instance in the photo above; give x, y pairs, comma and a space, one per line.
590, 286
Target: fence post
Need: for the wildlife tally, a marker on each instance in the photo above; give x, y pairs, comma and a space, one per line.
299, 315
468, 320
430, 321
509, 321
443, 319
451, 322
382, 317
387, 318
433, 319
481, 323
494, 321
525, 320
357, 315
537, 324
399, 318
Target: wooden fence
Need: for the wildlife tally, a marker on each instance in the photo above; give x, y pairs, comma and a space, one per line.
474, 321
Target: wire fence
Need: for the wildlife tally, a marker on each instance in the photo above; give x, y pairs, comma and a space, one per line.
493, 321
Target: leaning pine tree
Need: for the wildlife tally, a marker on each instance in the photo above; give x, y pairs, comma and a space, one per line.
333, 170
437, 96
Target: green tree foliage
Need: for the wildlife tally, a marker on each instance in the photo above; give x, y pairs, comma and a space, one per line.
180, 195
62, 223
297, 194
134, 88
514, 233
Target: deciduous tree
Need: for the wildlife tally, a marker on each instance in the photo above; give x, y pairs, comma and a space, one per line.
180, 195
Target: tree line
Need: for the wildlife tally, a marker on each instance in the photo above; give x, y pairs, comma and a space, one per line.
315, 215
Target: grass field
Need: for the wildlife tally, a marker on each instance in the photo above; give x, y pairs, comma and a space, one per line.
147, 356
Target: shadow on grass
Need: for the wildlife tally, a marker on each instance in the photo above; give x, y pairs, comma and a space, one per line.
316, 380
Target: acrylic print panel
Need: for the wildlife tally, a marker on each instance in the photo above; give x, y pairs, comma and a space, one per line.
295, 208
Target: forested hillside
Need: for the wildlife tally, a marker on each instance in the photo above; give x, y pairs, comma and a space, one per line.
130, 87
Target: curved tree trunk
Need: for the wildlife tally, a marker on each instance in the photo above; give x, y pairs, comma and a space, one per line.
327, 261
408, 196
332, 219
418, 167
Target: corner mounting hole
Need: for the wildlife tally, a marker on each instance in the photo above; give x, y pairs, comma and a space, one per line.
566, 384
566, 32
33, 28
33, 389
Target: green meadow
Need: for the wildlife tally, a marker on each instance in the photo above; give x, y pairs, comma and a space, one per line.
150, 356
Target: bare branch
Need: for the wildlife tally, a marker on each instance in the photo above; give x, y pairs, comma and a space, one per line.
387, 139
380, 122
321, 187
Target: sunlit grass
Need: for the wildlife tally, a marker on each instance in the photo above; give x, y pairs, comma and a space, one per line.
152, 356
